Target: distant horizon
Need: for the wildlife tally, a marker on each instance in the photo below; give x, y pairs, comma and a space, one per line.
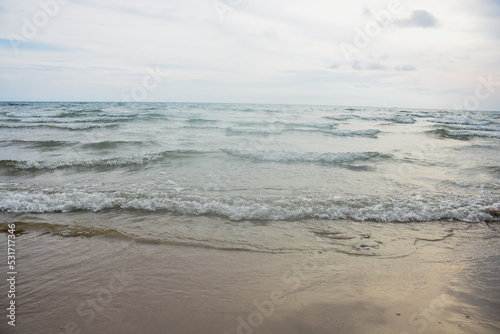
254, 103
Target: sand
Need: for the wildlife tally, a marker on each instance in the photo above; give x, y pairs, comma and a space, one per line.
112, 285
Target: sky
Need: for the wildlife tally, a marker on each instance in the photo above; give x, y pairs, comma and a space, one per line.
395, 53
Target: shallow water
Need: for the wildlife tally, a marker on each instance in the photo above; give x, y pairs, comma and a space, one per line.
245, 176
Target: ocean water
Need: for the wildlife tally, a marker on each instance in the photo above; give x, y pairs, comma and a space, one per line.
246, 176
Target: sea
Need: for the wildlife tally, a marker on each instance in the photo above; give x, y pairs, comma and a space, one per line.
257, 177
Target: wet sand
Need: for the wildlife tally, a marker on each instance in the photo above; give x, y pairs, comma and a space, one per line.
112, 285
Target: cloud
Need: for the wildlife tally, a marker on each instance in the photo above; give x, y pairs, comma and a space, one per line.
372, 66
405, 68
367, 12
357, 66
418, 18
379, 66
376, 66
381, 57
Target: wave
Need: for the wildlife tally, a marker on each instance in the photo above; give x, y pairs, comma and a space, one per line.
461, 121
197, 127
112, 144
139, 159
290, 156
278, 127
201, 121
154, 115
474, 127
310, 125
443, 133
142, 159
338, 118
64, 126
54, 113
461, 135
42, 144
275, 131
397, 208
288, 125
57, 120
356, 133
372, 133
245, 131
404, 119
407, 119
420, 114
15, 104
474, 134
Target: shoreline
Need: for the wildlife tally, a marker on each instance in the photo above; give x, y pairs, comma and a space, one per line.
102, 284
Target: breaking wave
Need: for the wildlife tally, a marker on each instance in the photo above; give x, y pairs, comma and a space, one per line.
138, 159
402, 208
462, 135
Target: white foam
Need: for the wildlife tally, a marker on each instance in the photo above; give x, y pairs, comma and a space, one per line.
403, 208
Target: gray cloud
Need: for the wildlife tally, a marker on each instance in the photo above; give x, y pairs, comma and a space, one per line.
418, 18
334, 66
382, 57
367, 11
376, 66
373, 66
405, 68
356, 66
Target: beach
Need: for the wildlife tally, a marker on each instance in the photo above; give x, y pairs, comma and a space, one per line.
246, 167
108, 284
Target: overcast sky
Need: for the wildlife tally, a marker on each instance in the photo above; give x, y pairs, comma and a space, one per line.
425, 54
